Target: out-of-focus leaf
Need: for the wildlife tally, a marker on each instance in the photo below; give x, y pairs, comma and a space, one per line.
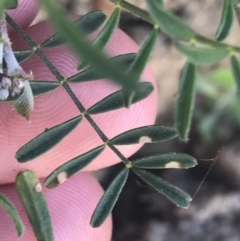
174, 194
25, 103
30, 192
87, 24
169, 23
10, 4
115, 100
11, 210
140, 63
226, 21
82, 48
42, 87
90, 74
46, 140
109, 199
202, 55
172, 160
72, 167
185, 102
236, 72
145, 134
105, 35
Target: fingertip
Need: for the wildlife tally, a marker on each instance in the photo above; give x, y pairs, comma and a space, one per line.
24, 14
71, 206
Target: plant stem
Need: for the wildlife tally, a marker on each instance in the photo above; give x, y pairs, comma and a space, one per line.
135, 10
61, 79
198, 38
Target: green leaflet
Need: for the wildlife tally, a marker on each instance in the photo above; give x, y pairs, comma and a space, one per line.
145, 134
174, 194
90, 74
30, 192
46, 140
87, 24
169, 23
10, 4
185, 102
82, 48
226, 21
72, 167
21, 56
109, 198
162, 161
42, 87
11, 210
115, 101
202, 55
139, 64
105, 35
236, 72
24, 104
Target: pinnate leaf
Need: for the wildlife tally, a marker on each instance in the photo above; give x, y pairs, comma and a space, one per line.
46, 140
105, 35
72, 167
109, 198
162, 161
185, 102
139, 64
90, 74
173, 193
115, 100
30, 192
226, 21
168, 22
202, 55
87, 24
41, 87
11, 210
145, 134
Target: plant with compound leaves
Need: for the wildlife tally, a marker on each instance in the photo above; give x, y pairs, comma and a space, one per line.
127, 70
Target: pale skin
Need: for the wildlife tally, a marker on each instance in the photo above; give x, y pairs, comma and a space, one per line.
72, 203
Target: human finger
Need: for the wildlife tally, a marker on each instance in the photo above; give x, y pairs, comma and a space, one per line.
24, 14
70, 205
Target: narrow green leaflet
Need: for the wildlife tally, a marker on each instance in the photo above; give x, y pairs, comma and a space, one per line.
72, 167
145, 134
11, 210
169, 23
236, 72
109, 198
10, 4
90, 74
30, 192
25, 103
115, 100
105, 35
202, 55
82, 48
21, 56
185, 102
87, 24
42, 87
174, 194
226, 21
46, 140
162, 161
140, 63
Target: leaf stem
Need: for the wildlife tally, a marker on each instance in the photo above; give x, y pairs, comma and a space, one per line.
61, 79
